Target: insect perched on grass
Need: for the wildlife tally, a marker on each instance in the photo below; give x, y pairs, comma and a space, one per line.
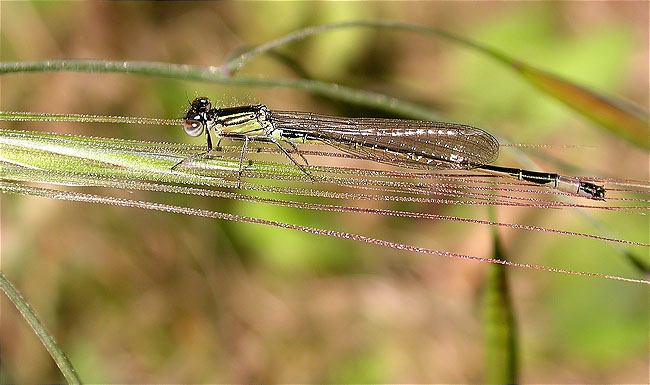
405, 143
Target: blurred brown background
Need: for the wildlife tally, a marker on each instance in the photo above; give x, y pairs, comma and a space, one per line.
144, 297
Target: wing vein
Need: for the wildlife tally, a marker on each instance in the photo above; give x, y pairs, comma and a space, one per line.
406, 143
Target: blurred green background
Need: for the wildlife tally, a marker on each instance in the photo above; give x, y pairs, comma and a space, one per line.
137, 296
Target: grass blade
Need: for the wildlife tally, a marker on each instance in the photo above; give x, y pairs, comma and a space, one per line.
84, 118
83, 161
623, 119
88, 160
501, 352
626, 121
21, 189
211, 74
47, 340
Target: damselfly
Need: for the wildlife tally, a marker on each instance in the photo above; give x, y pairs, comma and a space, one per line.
405, 143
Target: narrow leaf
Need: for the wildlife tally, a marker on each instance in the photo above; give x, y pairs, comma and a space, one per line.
627, 121
501, 364
47, 340
211, 74
623, 119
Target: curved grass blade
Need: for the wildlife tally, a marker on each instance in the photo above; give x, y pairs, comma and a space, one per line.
47, 340
621, 118
212, 74
238, 62
625, 120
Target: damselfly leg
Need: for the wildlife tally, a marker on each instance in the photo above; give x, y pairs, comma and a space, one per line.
288, 155
199, 155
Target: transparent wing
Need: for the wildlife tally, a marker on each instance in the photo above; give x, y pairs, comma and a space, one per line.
405, 143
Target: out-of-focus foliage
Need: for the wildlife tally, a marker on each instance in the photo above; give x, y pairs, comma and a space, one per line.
136, 296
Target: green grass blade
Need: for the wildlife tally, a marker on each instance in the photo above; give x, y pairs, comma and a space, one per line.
500, 336
211, 74
84, 161
626, 121
239, 61
501, 353
11, 116
623, 119
90, 158
47, 340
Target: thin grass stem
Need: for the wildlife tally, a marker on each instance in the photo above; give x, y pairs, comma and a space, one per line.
47, 340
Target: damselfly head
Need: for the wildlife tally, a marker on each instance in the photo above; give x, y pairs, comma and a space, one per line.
201, 104
194, 123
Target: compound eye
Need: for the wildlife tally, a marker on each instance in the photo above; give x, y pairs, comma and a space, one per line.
193, 127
